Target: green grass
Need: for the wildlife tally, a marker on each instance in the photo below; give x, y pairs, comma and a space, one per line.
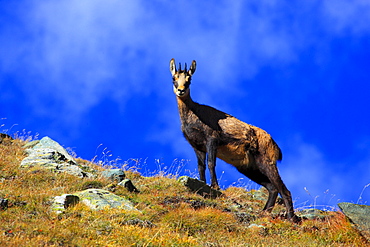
170, 214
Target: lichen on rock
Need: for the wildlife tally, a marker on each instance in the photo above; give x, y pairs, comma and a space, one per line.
95, 199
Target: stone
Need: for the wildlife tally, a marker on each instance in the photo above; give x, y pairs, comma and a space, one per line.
127, 183
62, 202
47, 142
312, 214
95, 199
199, 187
359, 215
3, 203
98, 199
49, 154
115, 175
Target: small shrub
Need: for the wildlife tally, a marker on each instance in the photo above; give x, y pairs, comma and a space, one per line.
92, 185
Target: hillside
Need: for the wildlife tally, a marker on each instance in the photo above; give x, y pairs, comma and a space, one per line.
166, 212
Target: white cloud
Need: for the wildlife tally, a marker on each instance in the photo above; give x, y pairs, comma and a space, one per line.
85, 50
347, 17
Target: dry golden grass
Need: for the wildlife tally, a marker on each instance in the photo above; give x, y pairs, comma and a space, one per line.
170, 215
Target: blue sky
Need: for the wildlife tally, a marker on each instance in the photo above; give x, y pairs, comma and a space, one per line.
94, 76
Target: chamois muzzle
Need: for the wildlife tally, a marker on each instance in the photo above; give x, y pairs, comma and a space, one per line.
181, 92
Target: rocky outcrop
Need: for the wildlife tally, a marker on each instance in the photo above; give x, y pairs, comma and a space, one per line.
118, 177
48, 154
359, 215
96, 199
199, 187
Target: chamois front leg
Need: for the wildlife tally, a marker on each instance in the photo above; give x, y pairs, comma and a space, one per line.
201, 156
211, 160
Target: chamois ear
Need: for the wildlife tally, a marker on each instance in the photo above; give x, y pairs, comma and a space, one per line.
172, 66
192, 67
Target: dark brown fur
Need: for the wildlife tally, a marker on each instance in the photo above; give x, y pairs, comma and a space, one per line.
213, 133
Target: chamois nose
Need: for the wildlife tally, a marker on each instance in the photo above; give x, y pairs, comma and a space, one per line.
181, 91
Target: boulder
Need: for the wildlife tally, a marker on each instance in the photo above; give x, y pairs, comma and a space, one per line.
199, 187
62, 202
98, 199
359, 215
95, 199
115, 175
49, 154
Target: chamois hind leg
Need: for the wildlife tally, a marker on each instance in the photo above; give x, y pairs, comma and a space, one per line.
273, 193
260, 178
201, 156
278, 183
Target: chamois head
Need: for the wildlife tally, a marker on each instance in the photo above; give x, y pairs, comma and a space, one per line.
181, 78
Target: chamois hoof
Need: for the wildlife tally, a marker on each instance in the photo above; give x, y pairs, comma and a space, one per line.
296, 219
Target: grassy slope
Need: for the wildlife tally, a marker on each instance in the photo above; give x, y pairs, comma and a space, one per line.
178, 217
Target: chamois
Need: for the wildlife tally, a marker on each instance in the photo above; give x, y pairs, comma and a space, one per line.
213, 133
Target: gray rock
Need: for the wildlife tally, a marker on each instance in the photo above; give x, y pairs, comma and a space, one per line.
3, 203
95, 199
312, 214
127, 183
62, 202
115, 175
49, 154
359, 215
98, 199
48, 143
199, 187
